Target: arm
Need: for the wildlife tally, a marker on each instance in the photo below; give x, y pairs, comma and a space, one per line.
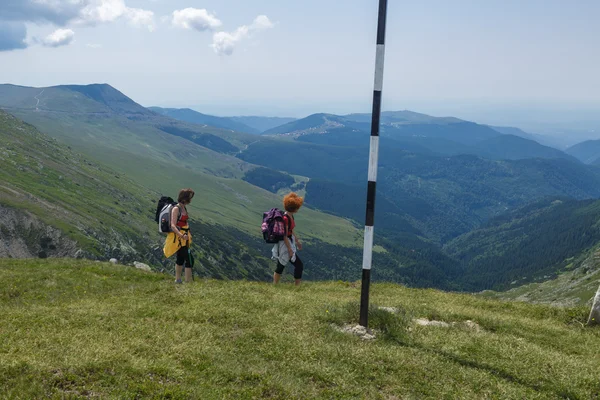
297, 241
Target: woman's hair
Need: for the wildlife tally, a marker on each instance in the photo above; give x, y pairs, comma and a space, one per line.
185, 196
292, 202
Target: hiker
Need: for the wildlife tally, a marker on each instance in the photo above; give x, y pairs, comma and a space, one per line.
179, 239
286, 250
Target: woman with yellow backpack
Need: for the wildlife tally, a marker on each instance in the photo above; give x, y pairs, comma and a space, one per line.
179, 238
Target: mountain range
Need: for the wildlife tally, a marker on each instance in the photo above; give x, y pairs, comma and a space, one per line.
449, 191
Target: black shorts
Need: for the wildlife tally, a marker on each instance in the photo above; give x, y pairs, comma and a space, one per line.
298, 267
183, 257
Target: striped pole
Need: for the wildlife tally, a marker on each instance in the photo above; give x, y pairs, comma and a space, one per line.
373, 162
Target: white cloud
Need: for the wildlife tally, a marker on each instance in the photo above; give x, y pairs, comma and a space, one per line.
14, 14
194, 18
65, 12
60, 37
262, 22
139, 17
224, 42
101, 11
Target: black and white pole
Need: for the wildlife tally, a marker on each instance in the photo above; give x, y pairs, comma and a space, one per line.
373, 162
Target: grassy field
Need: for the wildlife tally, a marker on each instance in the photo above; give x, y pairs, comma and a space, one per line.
73, 329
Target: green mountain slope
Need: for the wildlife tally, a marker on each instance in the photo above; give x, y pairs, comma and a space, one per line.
104, 212
393, 124
421, 134
511, 147
576, 285
502, 147
165, 155
424, 200
546, 140
455, 194
227, 209
115, 332
194, 117
532, 243
56, 202
315, 123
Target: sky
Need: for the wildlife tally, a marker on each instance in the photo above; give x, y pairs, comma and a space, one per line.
494, 61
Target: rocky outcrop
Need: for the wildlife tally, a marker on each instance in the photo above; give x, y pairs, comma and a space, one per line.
142, 266
23, 235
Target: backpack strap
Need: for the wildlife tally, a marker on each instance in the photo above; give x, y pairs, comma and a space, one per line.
289, 220
179, 214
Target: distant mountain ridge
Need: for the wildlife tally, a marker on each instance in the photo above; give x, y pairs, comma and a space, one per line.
93, 99
262, 124
410, 130
195, 117
588, 152
418, 133
248, 124
422, 129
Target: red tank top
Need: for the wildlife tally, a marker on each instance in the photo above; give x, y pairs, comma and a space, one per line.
182, 220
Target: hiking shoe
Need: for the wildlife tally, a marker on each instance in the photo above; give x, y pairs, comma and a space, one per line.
178, 281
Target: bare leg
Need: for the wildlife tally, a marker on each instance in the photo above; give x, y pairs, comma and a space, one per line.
178, 270
276, 278
188, 275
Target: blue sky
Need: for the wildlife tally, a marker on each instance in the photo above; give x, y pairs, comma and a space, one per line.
501, 61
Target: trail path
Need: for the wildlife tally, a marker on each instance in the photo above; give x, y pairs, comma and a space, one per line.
38, 100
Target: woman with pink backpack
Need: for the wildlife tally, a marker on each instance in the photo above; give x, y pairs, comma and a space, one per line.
286, 250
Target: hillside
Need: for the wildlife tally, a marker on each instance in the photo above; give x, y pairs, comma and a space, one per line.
422, 134
396, 125
425, 200
543, 139
501, 147
56, 202
315, 123
194, 117
511, 147
533, 243
262, 124
443, 197
72, 99
587, 152
165, 155
219, 339
575, 285
227, 210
